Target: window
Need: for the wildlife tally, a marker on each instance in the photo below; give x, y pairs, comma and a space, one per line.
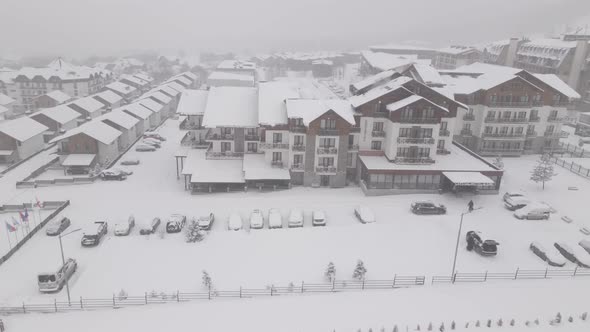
506, 115
404, 132
327, 142
277, 156
491, 114
553, 114
530, 129
377, 126
425, 133
251, 132
297, 159
488, 130
522, 115
467, 126
328, 124
519, 130
298, 140
534, 114
225, 146
443, 126
326, 161
350, 140
298, 122
277, 137
376, 145
349, 158
548, 143
441, 144
225, 131
252, 147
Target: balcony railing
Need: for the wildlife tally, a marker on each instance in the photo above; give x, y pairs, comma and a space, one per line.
353, 147
501, 150
327, 150
444, 133
443, 151
415, 140
515, 104
531, 133
420, 120
277, 163
224, 155
503, 135
378, 133
298, 147
534, 119
219, 137
282, 146
325, 169
413, 160
252, 137
186, 125
381, 115
555, 119
298, 129
469, 117
466, 132
355, 129
561, 103
551, 134
328, 132
506, 120
297, 167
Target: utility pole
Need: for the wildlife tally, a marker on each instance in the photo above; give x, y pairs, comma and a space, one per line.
63, 261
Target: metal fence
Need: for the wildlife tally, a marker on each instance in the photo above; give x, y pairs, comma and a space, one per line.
572, 167
573, 150
337, 286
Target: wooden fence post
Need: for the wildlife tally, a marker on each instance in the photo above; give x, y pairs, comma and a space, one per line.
302, 287
485, 278
271, 288
114, 305
575, 270
177, 296
81, 303
454, 277
393, 284
146, 302
363, 286
333, 284
55, 304
546, 270
516, 274
24, 308
209, 291
240, 292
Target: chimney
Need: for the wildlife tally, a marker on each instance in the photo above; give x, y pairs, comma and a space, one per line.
511, 52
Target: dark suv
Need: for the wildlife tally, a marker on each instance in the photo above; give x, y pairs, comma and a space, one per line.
427, 207
484, 248
95, 233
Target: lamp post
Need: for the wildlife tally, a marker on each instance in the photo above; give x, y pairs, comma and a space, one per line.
63, 261
459, 237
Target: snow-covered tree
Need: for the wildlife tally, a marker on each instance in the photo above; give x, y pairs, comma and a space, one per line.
395, 329
584, 316
543, 171
206, 279
193, 233
418, 327
489, 323
429, 326
330, 272
570, 319
500, 322
558, 318
442, 327
453, 325
512, 322
477, 324
359, 271
498, 162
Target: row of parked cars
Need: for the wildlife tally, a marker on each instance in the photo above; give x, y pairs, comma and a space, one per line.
578, 254
525, 208
151, 142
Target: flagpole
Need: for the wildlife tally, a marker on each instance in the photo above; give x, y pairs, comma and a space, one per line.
16, 236
8, 236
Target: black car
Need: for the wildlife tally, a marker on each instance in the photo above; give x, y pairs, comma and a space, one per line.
427, 207
484, 248
175, 223
93, 236
151, 228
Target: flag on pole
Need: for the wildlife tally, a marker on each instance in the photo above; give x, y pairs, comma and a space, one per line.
15, 221
38, 203
10, 227
24, 216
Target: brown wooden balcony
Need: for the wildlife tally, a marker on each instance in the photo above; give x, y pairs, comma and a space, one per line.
469, 117
555, 119
534, 119
298, 129
224, 155
378, 133
503, 135
328, 132
298, 167
327, 150
505, 120
443, 151
219, 137
466, 132
280, 146
420, 120
252, 137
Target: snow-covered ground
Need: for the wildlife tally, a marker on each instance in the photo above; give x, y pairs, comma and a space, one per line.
344, 312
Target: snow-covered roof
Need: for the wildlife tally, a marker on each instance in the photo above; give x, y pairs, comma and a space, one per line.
190, 75
109, 96
236, 65
5, 100
556, 83
310, 109
322, 62
120, 118
272, 109
379, 91
478, 76
78, 159
467, 178
61, 69
151, 104
137, 110
180, 79
400, 47
134, 80
60, 114
203, 170
192, 102
428, 74
456, 50
121, 88
175, 86
374, 79
408, 101
231, 107
159, 96
167, 90
144, 77
59, 96
96, 129
22, 129
222, 75
88, 104
257, 168
3, 109
386, 61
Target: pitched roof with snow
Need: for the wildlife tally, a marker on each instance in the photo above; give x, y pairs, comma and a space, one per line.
151, 104
159, 96
144, 77
311, 109
88, 104
120, 118
190, 75
272, 109
60, 114
59, 96
109, 96
409, 101
428, 74
556, 83
175, 86
134, 80
231, 107
181, 79
374, 79
167, 90
5, 100
222, 75
386, 61
377, 92
193, 102
22, 129
121, 87
96, 129
456, 50
138, 110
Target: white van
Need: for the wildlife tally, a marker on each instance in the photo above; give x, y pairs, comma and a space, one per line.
54, 281
533, 211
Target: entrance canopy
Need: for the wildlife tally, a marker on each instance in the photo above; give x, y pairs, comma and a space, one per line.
468, 178
81, 160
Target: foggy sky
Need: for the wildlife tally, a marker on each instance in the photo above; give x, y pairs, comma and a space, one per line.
103, 27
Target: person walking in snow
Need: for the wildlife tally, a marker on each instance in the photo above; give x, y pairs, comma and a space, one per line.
470, 205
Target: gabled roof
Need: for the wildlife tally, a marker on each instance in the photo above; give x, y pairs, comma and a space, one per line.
556, 83
120, 118
386, 61
311, 109
175, 86
22, 129
167, 90
109, 96
409, 101
88, 104
5, 100
159, 96
121, 87
180, 79
188, 74
59, 96
60, 114
272, 109
231, 107
379, 91
144, 77
193, 102
96, 129
134, 80
151, 104
427, 74
137, 110
374, 79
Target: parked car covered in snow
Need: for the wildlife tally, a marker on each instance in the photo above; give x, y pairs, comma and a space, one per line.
124, 228
95, 233
113, 174
364, 214
318, 218
275, 220
58, 226
152, 142
515, 200
256, 219
150, 228
574, 255
484, 248
144, 148
533, 211
152, 134
585, 244
206, 221
130, 161
55, 281
175, 223
295, 218
234, 222
552, 258
428, 207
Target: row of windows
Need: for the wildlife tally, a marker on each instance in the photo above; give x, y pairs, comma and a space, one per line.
390, 181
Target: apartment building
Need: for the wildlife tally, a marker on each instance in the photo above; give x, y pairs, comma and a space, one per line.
399, 49
456, 56
510, 111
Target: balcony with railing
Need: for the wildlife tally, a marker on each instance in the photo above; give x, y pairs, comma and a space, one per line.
505, 151
219, 137
417, 120
444, 133
466, 132
224, 155
298, 147
298, 167
505, 120
381, 115
353, 147
378, 133
503, 135
443, 151
186, 125
515, 104
551, 134
533, 118
277, 163
251, 137
298, 129
531, 133
355, 129
325, 169
328, 132
327, 150
415, 140
279, 146
555, 119
413, 160
469, 117
191, 141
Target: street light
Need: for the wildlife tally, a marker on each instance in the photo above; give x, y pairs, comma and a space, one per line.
63, 260
459, 237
